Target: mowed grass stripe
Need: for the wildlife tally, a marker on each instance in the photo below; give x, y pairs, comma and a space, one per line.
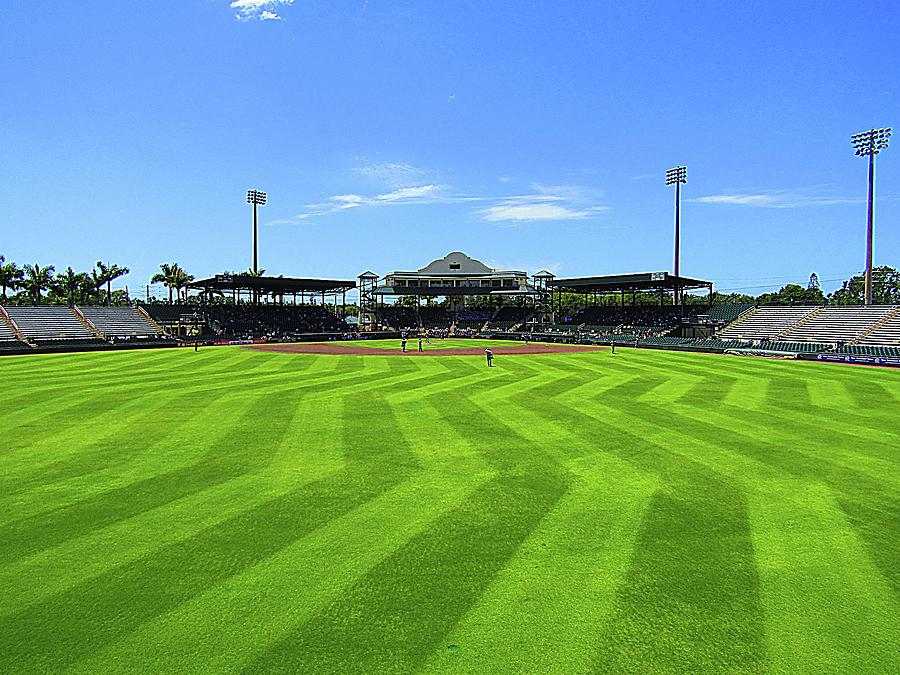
111, 606
754, 477
237, 573
395, 616
229, 623
691, 595
547, 608
810, 557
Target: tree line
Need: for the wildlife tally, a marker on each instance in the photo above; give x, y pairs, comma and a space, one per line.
41, 284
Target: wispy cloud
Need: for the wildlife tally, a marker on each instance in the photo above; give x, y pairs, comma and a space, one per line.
259, 10
776, 199
643, 176
537, 211
407, 185
393, 174
546, 202
417, 194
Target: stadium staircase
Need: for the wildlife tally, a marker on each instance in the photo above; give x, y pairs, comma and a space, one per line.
149, 319
10, 333
87, 323
803, 320
743, 317
886, 329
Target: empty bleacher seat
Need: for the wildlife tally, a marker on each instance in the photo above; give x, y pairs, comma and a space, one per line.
765, 323
51, 325
119, 322
838, 323
888, 333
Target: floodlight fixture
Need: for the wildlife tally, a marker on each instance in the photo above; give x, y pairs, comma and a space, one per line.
868, 144
677, 174
256, 197
871, 142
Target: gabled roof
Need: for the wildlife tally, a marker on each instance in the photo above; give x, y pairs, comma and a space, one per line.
456, 262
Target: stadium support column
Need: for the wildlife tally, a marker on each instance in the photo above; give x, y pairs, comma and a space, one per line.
868, 144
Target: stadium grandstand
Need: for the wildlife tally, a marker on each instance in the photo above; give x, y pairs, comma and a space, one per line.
509, 295
459, 295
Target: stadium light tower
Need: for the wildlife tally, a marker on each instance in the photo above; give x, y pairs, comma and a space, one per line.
677, 176
257, 198
868, 144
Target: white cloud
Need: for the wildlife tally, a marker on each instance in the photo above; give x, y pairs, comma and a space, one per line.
775, 199
410, 193
408, 186
393, 174
260, 10
536, 211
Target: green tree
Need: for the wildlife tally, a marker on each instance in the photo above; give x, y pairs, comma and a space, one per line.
793, 294
37, 280
109, 272
10, 276
168, 276
71, 285
885, 288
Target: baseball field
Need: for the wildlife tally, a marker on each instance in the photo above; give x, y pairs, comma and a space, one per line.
244, 510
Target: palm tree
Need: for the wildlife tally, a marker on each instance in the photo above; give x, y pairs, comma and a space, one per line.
167, 275
96, 280
182, 279
10, 276
108, 273
71, 284
37, 279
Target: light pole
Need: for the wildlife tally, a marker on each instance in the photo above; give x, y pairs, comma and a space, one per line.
257, 198
677, 175
868, 144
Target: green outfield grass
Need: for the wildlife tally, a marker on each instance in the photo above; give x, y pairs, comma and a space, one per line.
172, 511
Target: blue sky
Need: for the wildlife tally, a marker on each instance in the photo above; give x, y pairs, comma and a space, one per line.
527, 134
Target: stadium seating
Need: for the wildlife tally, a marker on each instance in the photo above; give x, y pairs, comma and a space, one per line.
120, 322
714, 343
885, 333
869, 350
509, 316
398, 317
837, 323
728, 312
793, 347
765, 323
667, 341
52, 326
435, 317
8, 339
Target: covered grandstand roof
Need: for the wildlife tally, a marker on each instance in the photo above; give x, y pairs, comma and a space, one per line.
642, 281
246, 282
